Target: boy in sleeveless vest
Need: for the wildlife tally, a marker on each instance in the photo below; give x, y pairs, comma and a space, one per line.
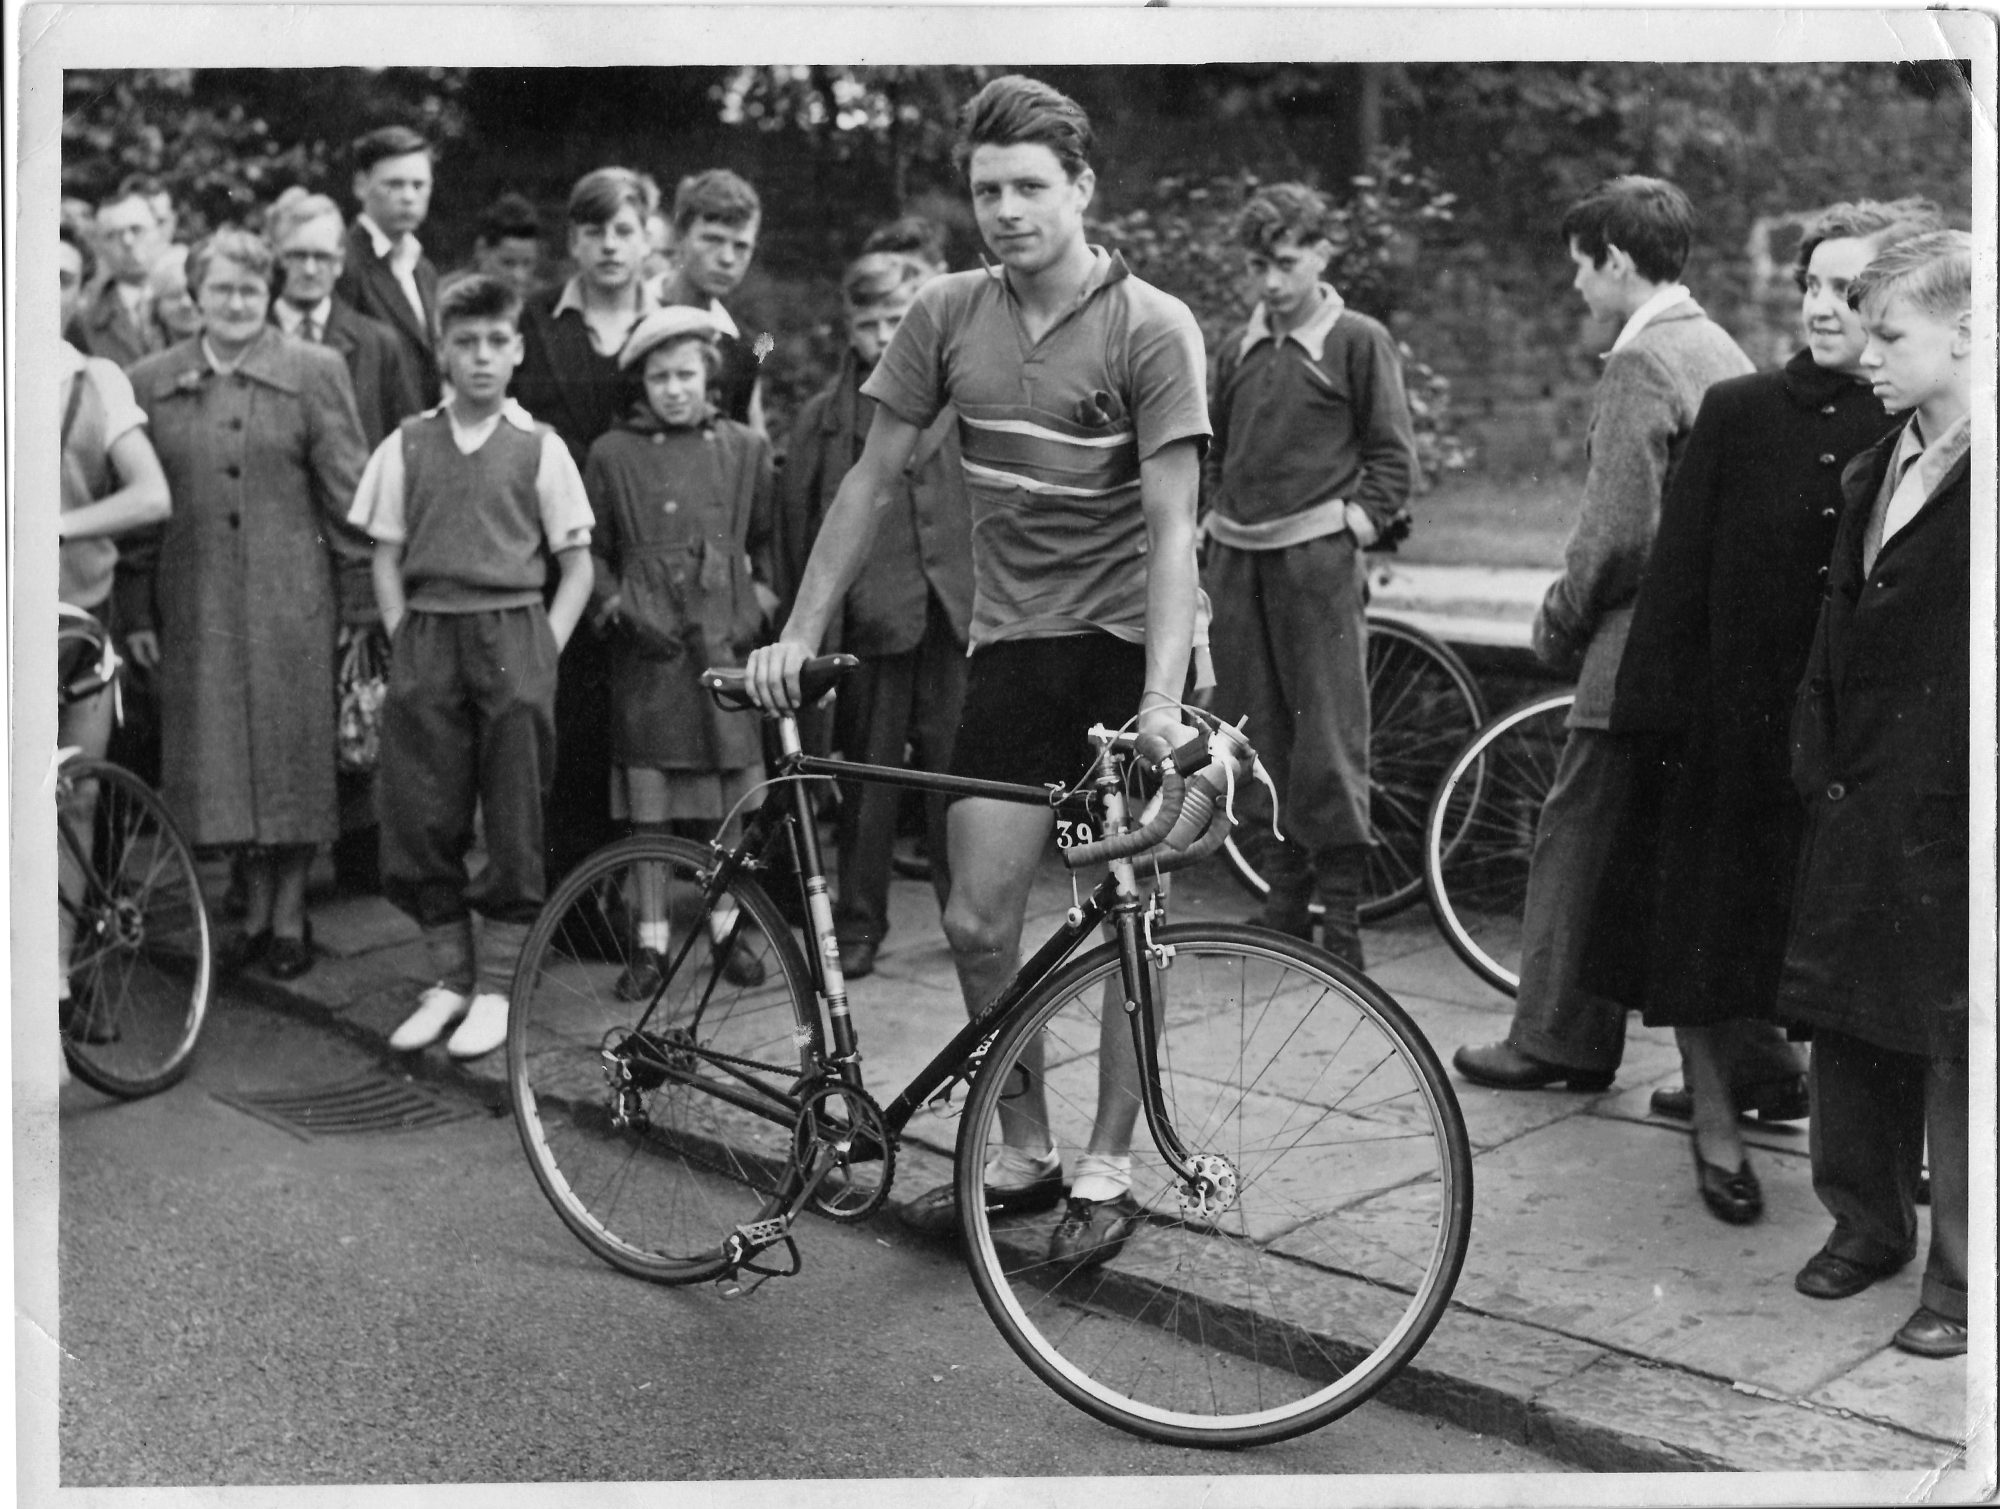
462, 502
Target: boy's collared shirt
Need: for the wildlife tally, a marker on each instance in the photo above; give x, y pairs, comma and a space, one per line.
571, 301
1311, 334
379, 502
1915, 470
1663, 299
1052, 432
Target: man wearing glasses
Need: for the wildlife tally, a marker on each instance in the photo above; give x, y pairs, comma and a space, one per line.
310, 237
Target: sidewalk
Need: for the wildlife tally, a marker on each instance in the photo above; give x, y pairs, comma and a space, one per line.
1603, 1317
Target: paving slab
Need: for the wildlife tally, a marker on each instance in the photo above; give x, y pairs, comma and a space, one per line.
1922, 1394
1621, 1405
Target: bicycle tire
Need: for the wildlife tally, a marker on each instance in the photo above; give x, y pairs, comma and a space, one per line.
655, 1198
1479, 836
1349, 1226
141, 960
1423, 706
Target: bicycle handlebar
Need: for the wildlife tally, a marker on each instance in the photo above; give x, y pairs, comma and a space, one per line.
1173, 791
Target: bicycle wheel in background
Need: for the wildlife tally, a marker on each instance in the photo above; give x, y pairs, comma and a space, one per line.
1480, 835
1323, 1272
628, 1089
1423, 705
140, 960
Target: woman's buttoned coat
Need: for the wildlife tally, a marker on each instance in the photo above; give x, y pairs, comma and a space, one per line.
262, 463
1700, 885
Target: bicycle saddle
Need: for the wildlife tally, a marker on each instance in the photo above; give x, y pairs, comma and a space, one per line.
817, 677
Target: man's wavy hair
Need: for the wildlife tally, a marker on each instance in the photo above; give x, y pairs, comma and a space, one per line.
1284, 209
1015, 110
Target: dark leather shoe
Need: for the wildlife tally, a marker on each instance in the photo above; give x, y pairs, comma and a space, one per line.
84, 1019
1734, 1197
1774, 1100
288, 958
243, 951
857, 960
1929, 1334
741, 967
934, 1213
1828, 1275
639, 978
1093, 1232
1500, 1066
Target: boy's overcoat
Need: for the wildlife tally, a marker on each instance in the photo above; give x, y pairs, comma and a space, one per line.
1881, 756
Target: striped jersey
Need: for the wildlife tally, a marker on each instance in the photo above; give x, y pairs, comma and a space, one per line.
1052, 433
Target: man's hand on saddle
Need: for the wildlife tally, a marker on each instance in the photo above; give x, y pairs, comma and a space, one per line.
771, 674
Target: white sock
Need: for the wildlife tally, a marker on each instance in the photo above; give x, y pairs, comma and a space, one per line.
1101, 1176
653, 935
1011, 1167
720, 923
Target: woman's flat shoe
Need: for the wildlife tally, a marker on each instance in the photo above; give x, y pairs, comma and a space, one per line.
243, 951
1734, 1197
288, 958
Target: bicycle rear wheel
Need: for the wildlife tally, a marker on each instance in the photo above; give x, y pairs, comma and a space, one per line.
1480, 835
636, 1094
1423, 704
140, 958
1336, 1255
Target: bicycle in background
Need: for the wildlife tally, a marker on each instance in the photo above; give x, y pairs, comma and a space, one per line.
137, 947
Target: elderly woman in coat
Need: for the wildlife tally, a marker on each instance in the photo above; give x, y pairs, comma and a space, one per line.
262, 449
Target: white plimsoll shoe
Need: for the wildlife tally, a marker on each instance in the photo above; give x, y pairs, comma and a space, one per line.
483, 1030
437, 1009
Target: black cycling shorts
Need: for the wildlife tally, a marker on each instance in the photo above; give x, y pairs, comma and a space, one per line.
1030, 702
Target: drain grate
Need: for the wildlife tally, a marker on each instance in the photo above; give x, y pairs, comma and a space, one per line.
369, 1104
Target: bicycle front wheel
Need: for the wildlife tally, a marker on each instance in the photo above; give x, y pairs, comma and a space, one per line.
1480, 835
1340, 1193
140, 957
648, 1066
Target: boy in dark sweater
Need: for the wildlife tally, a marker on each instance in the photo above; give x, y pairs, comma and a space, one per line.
1312, 461
461, 502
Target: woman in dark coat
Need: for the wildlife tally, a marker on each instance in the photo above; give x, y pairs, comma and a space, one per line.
262, 449
1696, 913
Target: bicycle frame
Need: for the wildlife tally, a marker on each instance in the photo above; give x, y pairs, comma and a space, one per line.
1116, 898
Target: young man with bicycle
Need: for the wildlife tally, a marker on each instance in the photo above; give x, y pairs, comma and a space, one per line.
1312, 463
1082, 417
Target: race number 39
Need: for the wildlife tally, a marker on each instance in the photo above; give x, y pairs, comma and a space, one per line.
1072, 835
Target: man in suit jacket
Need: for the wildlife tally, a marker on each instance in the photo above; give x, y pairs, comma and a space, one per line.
116, 321
311, 242
907, 614
387, 276
1628, 239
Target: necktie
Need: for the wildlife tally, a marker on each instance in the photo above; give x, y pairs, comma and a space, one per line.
310, 326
